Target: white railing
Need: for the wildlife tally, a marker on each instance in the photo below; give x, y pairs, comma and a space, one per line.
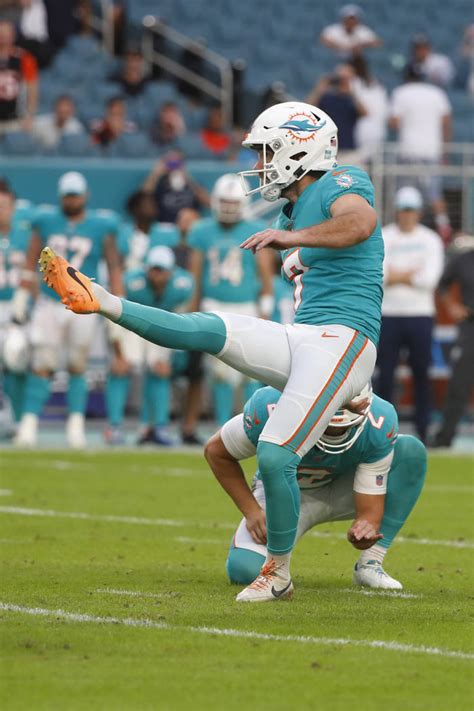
457, 169
222, 91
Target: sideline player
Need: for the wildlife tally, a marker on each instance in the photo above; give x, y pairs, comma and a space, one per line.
229, 279
84, 237
358, 469
333, 251
14, 238
162, 285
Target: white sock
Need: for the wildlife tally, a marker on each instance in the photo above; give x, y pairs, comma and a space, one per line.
375, 553
283, 563
110, 305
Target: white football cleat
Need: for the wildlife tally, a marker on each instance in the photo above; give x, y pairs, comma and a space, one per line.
27, 434
268, 586
76, 431
372, 575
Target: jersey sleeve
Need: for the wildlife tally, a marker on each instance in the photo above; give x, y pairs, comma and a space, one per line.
345, 180
123, 239
164, 234
134, 284
382, 430
197, 238
235, 439
110, 222
42, 222
257, 410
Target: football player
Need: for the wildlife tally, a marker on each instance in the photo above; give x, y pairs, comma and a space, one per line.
358, 469
332, 250
85, 237
159, 284
227, 278
15, 233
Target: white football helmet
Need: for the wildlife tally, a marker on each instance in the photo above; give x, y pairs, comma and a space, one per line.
16, 349
300, 137
351, 423
229, 201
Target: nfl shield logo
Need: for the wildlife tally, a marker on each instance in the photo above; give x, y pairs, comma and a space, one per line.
379, 479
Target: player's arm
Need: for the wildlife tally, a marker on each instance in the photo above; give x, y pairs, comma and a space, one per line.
265, 264
28, 281
196, 264
223, 452
114, 264
370, 488
352, 221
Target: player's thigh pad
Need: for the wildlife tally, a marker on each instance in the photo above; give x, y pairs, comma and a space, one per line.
47, 333
257, 348
329, 366
80, 336
331, 502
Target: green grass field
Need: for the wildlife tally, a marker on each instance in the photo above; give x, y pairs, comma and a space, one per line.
126, 606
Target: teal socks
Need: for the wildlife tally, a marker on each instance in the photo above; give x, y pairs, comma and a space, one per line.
77, 393
405, 482
223, 396
116, 392
36, 393
196, 331
14, 389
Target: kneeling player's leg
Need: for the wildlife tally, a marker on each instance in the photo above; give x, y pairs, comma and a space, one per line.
158, 394
131, 348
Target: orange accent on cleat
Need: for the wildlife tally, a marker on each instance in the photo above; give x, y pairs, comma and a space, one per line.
74, 288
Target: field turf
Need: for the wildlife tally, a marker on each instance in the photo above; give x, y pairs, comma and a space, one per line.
124, 603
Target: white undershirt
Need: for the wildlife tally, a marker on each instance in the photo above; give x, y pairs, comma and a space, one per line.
420, 250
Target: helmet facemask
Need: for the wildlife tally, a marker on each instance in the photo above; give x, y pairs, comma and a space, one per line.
350, 424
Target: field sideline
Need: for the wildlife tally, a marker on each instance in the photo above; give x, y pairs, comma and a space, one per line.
114, 595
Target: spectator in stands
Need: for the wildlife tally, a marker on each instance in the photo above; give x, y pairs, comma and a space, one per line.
168, 127
370, 130
114, 124
434, 67
34, 31
18, 71
48, 129
412, 268
61, 21
215, 135
459, 273
348, 36
420, 113
467, 59
334, 94
133, 76
173, 188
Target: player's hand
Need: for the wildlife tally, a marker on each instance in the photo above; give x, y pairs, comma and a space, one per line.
458, 311
363, 534
277, 239
257, 526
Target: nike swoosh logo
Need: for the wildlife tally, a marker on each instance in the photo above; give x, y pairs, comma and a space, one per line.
328, 335
338, 172
390, 434
255, 418
73, 274
279, 593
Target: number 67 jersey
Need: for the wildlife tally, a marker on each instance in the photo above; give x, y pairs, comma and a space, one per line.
81, 243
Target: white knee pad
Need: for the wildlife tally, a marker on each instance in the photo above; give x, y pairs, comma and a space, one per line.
45, 358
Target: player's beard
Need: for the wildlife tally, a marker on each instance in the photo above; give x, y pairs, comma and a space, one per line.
73, 210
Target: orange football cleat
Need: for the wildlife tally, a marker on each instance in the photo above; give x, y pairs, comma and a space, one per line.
74, 288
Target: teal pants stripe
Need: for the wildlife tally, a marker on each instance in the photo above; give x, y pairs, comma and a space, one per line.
187, 332
325, 397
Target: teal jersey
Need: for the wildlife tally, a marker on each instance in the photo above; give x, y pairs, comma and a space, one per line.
284, 311
335, 286
13, 248
230, 273
24, 211
177, 292
134, 244
81, 243
318, 468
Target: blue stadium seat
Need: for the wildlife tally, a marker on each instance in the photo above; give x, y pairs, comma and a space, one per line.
18, 143
77, 146
132, 145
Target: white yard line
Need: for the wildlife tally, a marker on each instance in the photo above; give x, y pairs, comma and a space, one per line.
176, 523
134, 593
185, 539
244, 634
381, 593
6, 492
